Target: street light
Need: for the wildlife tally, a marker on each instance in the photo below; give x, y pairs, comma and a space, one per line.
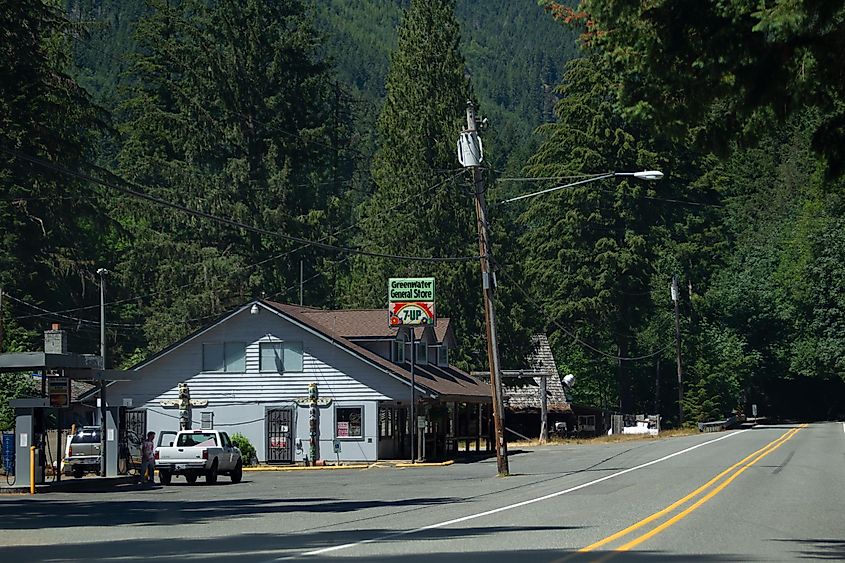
649, 175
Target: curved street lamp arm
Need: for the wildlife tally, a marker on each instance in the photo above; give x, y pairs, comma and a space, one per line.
644, 175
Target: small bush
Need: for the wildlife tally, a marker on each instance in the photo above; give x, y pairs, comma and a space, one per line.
247, 449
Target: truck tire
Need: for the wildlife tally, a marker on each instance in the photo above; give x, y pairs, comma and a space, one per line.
164, 476
191, 478
77, 471
211, 476
237, 473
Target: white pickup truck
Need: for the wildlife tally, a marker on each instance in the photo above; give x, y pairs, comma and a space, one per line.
198, 452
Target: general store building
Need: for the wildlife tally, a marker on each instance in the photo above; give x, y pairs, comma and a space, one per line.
255, 364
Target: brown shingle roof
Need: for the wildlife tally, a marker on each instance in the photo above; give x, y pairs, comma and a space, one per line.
363, 323
79, 388
448, 382
524, 394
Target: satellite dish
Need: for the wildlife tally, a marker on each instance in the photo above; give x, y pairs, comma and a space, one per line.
568, 380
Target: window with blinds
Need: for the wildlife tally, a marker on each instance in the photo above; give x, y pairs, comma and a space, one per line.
280, 357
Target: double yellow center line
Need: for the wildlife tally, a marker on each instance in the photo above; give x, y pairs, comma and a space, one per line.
734, 471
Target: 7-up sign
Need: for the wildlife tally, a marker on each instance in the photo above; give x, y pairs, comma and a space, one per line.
411, 302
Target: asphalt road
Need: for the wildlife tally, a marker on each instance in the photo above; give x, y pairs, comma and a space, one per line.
773, 493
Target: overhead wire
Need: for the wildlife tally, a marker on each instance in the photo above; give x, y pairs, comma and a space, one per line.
223, 220
47, 312
590, 176
574, 336
60, 313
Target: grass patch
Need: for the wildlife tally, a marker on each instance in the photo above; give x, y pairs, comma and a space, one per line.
555, 441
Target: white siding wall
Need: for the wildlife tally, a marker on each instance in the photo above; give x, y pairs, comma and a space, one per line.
238, 400
364, 449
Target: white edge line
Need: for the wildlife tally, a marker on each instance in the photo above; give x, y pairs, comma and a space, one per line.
503, 508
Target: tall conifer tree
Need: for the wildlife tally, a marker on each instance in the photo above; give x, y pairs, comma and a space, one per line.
231, 115
591, 249
50, 225
424, 112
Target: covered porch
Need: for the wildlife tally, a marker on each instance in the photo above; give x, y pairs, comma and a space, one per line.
445, 429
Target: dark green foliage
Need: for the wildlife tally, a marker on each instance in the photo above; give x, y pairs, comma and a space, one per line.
720, 370
51, 225
759, 255
247, 449
244, 131
422, 117
591, 249
514, 53
13, 386
686, 61
233, 107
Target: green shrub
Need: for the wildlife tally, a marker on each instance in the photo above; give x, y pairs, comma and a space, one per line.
247, 449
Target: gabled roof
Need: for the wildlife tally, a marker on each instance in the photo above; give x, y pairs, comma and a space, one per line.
363, 323
448, 382
524, 394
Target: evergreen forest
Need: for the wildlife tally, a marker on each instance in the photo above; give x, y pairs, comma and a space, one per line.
207, 152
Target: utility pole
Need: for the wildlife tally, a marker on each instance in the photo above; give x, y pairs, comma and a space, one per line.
676, 297
102, 272
301, 282
544, 411
413, 398
657, 387
469, 153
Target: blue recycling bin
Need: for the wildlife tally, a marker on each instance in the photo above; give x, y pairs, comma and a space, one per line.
9, 453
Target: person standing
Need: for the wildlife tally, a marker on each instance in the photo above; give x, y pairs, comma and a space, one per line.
148, 462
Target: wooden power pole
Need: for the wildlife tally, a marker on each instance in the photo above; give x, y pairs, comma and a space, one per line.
676, 297
469, 148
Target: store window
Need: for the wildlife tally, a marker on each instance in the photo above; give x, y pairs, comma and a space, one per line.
349, 422
385, 422
587, 422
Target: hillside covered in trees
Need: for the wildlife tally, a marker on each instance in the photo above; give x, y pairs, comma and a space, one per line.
207, 152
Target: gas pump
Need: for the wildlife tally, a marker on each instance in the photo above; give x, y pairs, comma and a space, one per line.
30, 430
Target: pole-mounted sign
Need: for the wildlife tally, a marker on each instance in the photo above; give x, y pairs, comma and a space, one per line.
411, 302
58, 388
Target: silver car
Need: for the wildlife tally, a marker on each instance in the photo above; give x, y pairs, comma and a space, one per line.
83, 452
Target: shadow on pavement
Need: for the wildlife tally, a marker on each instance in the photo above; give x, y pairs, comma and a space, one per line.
265, 548
30, 514
825, 550
475, 457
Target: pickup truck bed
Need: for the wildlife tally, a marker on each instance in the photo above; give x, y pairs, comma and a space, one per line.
196, 453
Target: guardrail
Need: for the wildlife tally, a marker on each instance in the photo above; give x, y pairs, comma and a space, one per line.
718, 425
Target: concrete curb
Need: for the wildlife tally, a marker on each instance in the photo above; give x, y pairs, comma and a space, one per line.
96, 484
438, 464
308, 468
403, 465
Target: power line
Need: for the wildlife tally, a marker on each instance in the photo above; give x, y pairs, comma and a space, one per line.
574, 336
365, 219
47, 312
670, 200
223, 220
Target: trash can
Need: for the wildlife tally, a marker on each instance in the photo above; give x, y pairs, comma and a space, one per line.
9, 453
